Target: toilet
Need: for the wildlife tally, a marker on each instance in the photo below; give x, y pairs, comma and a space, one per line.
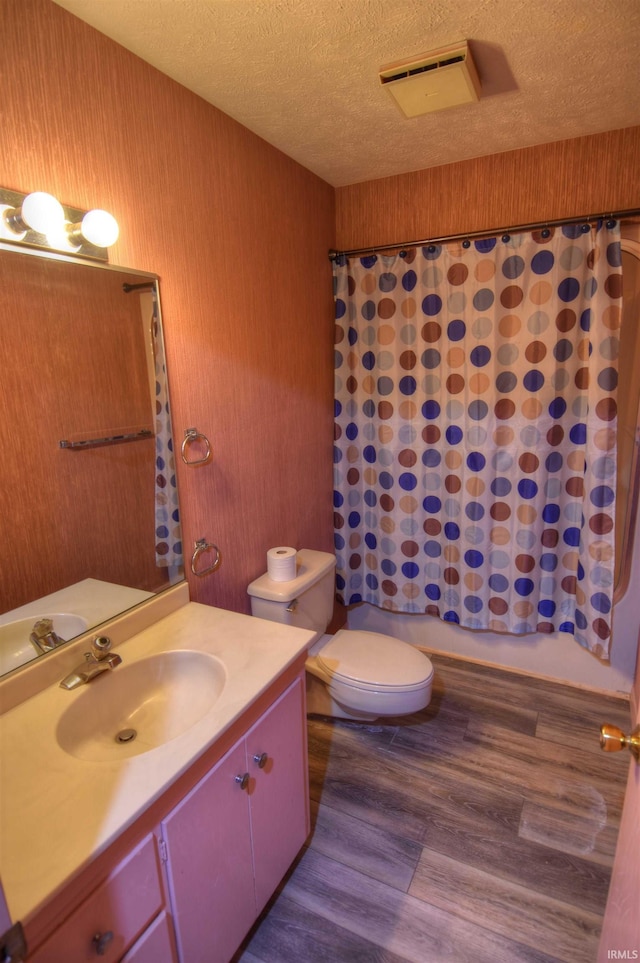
352, 674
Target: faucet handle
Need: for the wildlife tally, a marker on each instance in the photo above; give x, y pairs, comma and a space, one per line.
42, 628
100, 647
43, 636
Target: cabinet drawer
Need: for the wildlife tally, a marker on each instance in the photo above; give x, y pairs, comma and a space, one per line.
124, 905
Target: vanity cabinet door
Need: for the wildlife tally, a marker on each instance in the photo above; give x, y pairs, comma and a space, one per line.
279, 795
209, 864
109, 920
233, 837
156, 945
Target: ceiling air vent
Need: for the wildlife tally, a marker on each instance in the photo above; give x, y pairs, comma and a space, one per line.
437, 80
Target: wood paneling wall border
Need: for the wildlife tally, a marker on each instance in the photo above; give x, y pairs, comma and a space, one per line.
569, 178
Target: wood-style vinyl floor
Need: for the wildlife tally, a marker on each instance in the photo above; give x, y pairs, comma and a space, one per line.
481, 829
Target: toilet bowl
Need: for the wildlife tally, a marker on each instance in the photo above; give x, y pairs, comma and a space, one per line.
352, 674
365, 675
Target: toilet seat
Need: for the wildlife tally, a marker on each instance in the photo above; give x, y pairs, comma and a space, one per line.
374, 662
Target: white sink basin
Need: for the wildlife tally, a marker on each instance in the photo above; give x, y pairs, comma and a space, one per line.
15, 645
134, 708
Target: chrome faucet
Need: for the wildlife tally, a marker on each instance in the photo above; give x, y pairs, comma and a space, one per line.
43, 636
98, 660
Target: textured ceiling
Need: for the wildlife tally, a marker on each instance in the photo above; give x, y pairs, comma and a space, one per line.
303, 74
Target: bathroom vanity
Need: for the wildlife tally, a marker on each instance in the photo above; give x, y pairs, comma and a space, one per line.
162, 852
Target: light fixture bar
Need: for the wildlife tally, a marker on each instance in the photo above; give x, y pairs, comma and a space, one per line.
39, 221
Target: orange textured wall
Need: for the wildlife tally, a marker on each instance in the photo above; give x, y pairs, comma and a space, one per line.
572, 178
219, 215
226, 221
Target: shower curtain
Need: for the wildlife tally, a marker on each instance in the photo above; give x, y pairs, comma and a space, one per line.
475, 423
168, 533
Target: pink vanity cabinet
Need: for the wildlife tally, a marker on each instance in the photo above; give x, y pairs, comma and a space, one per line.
233, 837
187, 881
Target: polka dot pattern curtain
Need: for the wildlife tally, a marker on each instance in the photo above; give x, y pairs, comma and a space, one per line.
475, 424
168, 531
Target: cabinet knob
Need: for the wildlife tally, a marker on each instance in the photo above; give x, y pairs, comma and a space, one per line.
101, 942
243, 781
261, 758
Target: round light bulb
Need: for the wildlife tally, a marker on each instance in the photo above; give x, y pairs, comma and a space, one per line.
42, 213
100, 228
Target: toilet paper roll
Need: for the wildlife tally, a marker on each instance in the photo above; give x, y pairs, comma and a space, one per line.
281, 563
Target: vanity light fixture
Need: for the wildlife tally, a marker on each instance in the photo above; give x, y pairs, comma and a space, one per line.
38, 220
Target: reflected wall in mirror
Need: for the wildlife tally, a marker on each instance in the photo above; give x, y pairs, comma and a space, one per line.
89, 527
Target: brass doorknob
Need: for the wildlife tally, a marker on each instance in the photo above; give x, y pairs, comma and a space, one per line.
612, 739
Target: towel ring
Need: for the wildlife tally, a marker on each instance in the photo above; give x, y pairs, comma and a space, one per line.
191, 435
201, 546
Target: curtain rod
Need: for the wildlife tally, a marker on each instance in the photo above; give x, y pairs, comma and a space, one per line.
469, 236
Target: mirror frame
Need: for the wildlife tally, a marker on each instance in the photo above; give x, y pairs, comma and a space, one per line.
175, 578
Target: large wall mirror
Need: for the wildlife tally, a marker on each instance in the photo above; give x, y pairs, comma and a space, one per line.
89, 521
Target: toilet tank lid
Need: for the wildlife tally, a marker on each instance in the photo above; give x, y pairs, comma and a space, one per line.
310, 567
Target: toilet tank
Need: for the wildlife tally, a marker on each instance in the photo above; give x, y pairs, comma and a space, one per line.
305, 601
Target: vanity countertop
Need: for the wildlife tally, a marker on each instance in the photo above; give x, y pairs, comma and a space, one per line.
58, 812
